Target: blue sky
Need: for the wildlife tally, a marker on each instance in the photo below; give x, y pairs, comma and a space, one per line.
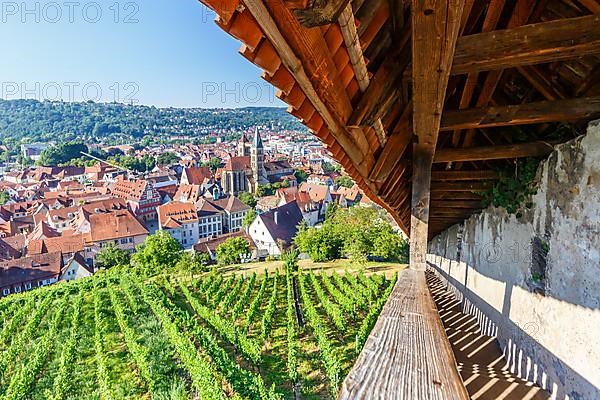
154, 52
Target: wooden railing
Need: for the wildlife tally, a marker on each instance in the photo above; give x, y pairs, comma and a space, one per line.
407, 355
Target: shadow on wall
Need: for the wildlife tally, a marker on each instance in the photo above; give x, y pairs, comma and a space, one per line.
519, 359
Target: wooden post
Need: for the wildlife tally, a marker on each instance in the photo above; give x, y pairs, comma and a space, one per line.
421, 194
435, 26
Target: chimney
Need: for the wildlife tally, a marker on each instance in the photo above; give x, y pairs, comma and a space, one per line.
276, 217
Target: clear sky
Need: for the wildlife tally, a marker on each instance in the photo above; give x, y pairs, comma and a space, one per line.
153, 52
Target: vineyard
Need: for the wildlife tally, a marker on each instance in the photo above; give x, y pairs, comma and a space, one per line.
281, 335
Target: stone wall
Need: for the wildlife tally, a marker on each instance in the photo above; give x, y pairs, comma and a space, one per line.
535, 281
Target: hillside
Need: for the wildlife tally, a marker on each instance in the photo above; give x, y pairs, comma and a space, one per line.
92, 122
115, 336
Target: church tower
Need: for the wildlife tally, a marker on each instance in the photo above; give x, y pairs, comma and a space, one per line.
257, 161
243, 147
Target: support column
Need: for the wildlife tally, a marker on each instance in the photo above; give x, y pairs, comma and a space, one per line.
421, 194
435, 26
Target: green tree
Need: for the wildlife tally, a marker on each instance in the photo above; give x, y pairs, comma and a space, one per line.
167, 158
331, 167
214, 163
158, 253
193, 262
249, 218
390, 246
344, 181
4, 197
358, 233
231, 250
62, 153
301, 176
248, 199
111, 256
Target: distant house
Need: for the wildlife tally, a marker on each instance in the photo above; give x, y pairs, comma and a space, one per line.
195, 175
320, 180
273, 231
209, 244
75, 268
117, 228
210, 218
29, 272
180, 220
320, 194
142, 199
311, 210
188, 193
234, 212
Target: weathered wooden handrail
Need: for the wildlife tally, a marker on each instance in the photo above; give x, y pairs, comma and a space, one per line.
407, 355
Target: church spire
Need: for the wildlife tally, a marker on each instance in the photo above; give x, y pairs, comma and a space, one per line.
257, 143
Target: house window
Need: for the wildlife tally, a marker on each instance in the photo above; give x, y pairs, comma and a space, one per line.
18, 289
123, 241
130, 240
6, 292
28, 286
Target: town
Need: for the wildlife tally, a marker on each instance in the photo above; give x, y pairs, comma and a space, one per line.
56, 220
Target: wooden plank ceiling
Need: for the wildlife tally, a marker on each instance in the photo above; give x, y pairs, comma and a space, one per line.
479, 84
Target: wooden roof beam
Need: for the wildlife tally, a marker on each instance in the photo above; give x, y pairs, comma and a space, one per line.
520, 15
321, 12
591, 5
460, 186
357, 59
529, 44
534, 149
466, 204
483, 175
522, 114
383, 84
323, 88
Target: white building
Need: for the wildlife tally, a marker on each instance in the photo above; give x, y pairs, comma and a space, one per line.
273, 231
180, 221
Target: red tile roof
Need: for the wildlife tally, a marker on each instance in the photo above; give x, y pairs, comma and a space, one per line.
237, 164
197, 175
173, 214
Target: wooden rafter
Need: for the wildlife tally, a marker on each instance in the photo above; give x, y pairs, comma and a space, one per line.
329, 102
321, 12
357, 59
535, 149
522, 114
480, 175
530, 44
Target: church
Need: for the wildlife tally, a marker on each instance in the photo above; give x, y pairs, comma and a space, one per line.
247, 170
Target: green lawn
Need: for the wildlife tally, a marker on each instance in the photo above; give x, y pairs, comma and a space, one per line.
340, 266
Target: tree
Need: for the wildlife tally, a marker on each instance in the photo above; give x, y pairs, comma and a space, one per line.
193, 262
390, 246
331, 167
158, 253
301, 176
231, 251
167, 158
249, 218
62, 153
358, 233
248, 199
214, 163
344, 181
4, 197
112, 256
